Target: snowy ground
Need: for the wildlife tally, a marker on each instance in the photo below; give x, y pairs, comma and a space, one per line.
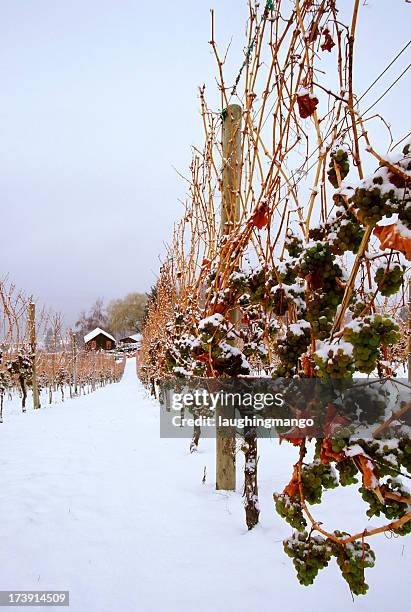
93, 501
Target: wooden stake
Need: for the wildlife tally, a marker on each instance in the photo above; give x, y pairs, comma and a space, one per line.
250, 492
230, 208
230, 214
32, 329
409, 330
74, 349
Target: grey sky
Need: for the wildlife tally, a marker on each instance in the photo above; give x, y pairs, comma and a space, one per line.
98, 102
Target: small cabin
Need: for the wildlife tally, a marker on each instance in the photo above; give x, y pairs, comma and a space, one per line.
99, 340
134, 340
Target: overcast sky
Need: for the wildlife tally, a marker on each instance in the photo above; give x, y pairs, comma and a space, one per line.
98, 102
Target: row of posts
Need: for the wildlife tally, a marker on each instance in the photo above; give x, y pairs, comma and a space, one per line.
33, 351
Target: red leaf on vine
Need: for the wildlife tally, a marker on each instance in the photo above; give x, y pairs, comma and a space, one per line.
369, 477
203, 358
206, 264
291, 440
328, 43
327, 453
307, 105
333, 421
315, 279
292, 488
260, 217
306, 365
221, 307
297, 435
391, 238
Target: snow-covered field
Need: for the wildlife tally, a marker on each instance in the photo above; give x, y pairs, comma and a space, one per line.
94, 502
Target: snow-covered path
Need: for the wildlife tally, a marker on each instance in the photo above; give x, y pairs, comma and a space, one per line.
93, 501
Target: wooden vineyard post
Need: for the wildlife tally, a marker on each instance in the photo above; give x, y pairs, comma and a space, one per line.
32, 330
409, 330
74, 350
230, 213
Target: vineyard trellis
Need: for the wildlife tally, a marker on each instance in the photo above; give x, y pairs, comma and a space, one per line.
308, 277
27, 365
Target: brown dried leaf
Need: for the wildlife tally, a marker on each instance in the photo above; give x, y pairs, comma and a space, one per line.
307, 105
328, 43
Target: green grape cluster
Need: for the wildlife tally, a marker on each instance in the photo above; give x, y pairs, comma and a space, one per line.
261, 288
260, 326
357, 308
5, 382
258, 286
179, 357
254, 288
368, 406
312, 553
171, 359
244, 300
359, 304
373, 204
386, 329
339, 158
385, 455
309, 553
405, 529
389, 281
336, 364
213, 330
404, 452
289, 508
318, 262
283, 371
337, 445
237, 282
348, 237
294, 245
21, 366
179, 323
320, 232
404, 213
321, 309
352, 559
254, 334
315, 477
214, 337
256, 349
288, 274
199, 368
391, 508
347, 471
343, 234
229, 360
290, 348
367, 337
